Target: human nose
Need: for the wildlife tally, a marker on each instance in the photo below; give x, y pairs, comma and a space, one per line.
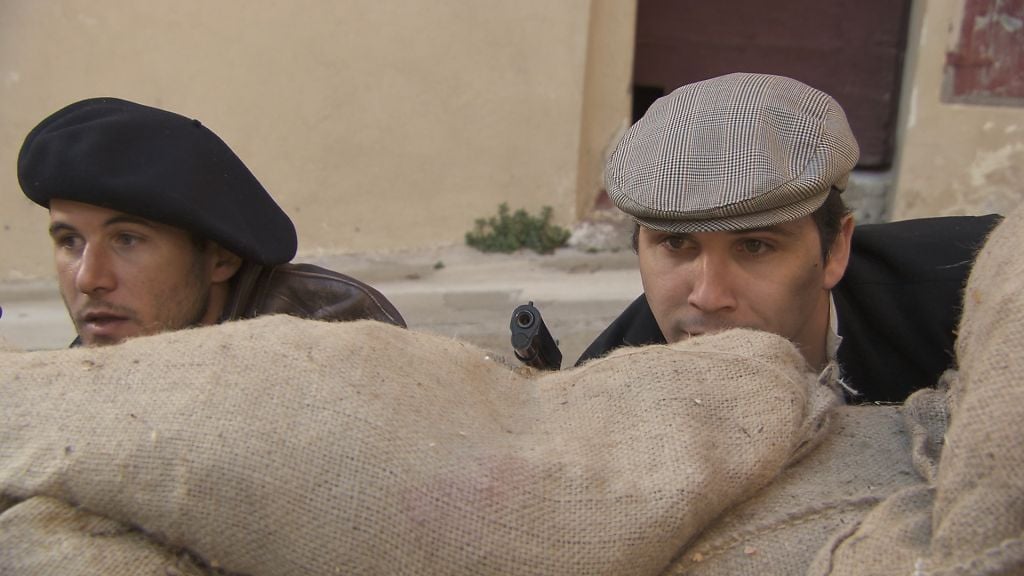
712, 285
95, 272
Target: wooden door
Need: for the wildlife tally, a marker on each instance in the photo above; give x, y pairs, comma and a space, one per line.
851, 49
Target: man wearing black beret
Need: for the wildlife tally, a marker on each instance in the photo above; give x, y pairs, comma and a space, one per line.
157, 225
734, 184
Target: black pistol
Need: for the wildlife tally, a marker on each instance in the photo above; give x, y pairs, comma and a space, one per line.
531, 340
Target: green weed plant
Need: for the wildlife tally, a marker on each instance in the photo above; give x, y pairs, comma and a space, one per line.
508, 232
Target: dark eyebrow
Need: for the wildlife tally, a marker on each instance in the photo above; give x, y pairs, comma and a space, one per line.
128, 219
58, 227
776, 229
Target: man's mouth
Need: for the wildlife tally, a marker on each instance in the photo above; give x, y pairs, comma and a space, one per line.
104, 325
693, 329
707, 328
101, 318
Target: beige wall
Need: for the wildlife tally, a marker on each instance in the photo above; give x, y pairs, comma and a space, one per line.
953, 158
376, 124
390, 124
607, 93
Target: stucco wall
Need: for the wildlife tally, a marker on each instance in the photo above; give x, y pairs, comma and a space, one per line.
607, 93
954, 158
376, 124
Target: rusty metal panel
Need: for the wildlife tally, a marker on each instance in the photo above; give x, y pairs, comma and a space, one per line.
851, 49
987, 65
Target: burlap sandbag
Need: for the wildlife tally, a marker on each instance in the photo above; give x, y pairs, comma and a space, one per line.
978, 522
859, 504
893, 536
42, 536
283, 446
966, 515
864, 459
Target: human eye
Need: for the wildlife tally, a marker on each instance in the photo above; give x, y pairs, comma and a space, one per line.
67, 240
675, 242
754, 246
127, 239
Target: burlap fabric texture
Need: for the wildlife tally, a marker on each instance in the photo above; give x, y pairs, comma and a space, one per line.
978, 521
284, 446
864, 459
47, 537
965, 516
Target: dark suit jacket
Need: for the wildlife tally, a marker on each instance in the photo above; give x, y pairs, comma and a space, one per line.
898, 305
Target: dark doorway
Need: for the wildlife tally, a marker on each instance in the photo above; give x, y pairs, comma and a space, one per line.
852, 50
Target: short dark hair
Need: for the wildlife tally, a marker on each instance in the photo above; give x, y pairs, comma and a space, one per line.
828, 219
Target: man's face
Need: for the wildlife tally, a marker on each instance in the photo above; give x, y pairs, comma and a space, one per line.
123, 276
772, 279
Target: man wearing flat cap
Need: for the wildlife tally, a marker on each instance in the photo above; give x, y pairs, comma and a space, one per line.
735, 186
157, 225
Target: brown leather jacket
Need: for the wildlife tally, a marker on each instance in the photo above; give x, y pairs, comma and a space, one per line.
305, 291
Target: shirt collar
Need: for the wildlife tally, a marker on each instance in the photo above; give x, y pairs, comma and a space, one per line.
832, 371
832, 338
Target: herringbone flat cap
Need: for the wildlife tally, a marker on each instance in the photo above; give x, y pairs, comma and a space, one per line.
732, 153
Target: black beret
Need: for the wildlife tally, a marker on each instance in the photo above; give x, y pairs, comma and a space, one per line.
158, 165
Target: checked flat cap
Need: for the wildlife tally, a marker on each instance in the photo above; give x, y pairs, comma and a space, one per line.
731, 153
158, 165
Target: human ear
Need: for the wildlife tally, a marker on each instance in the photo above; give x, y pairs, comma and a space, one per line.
839, 253
225, 264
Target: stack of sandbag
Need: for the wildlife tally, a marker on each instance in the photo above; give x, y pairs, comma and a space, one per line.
281, 446
285, 446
